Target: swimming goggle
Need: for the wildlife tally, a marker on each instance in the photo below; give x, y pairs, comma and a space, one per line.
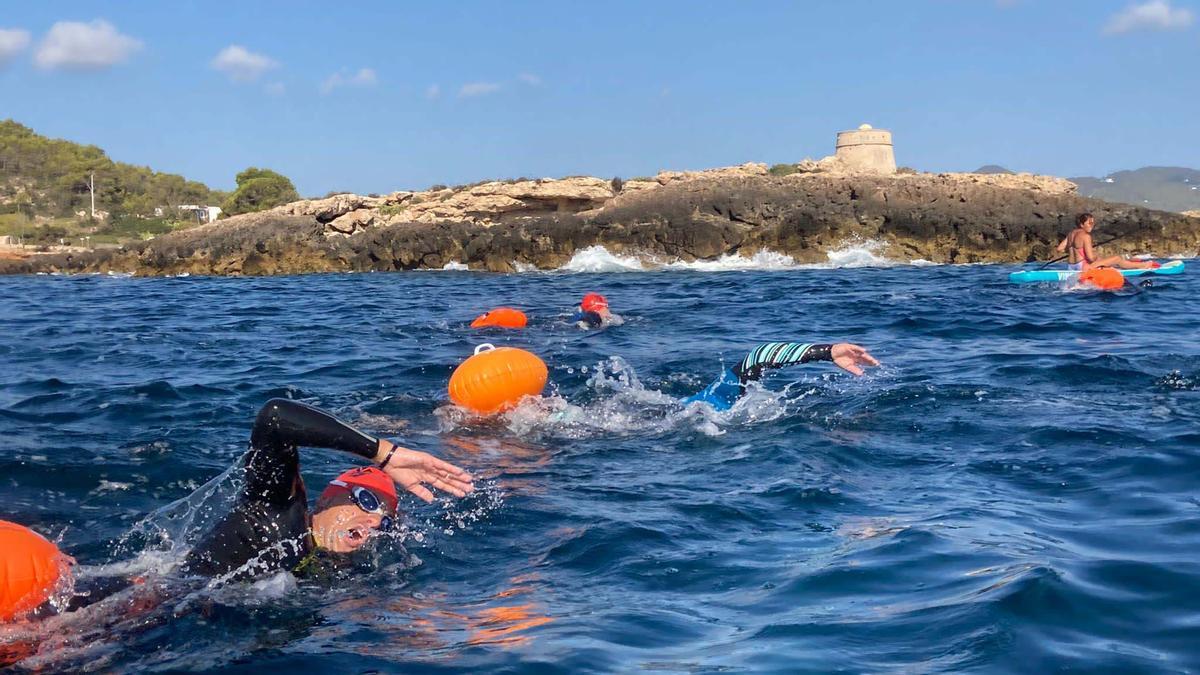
367, 501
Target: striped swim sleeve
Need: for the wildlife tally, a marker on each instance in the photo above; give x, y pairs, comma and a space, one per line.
780, 354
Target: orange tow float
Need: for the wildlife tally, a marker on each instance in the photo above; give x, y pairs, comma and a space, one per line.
496, 379
30, 568
1105, 278
501, 317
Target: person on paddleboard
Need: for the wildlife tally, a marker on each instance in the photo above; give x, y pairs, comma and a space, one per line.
730, 385
1081, 254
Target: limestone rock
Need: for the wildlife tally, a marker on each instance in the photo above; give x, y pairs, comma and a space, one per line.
497, 201
327, 209
741, 171
1014, 181
502, 226
349, 223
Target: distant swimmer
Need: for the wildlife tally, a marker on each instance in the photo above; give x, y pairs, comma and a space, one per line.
270, 528
593, 311
1082, 255
730, 386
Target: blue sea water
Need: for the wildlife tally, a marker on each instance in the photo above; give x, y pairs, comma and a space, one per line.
1014, 490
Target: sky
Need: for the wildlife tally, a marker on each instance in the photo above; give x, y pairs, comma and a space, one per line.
382, 96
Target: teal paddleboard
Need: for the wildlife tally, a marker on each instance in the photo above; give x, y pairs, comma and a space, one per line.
1047, 276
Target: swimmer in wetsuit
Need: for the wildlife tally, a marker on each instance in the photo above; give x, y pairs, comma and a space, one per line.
730, 386
1082, 255
593, 311
270, 523
270, 529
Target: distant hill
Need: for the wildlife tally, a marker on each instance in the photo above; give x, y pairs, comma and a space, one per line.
44, 177
1169, 188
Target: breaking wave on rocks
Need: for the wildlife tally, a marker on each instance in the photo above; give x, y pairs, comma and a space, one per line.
850, 254
599, 259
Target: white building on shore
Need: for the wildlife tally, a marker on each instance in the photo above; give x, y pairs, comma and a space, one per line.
203, 214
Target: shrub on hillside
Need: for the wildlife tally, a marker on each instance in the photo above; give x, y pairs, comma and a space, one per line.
258, 190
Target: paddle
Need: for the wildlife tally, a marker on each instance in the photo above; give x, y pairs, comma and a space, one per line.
1064, 257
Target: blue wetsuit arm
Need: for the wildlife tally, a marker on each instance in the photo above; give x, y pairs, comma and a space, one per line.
724, 391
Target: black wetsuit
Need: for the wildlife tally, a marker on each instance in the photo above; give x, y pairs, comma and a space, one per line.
270, 521
589, 318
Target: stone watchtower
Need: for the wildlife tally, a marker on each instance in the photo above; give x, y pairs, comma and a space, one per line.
867, 149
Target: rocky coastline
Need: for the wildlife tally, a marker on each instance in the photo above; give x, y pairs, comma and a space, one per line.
503, 226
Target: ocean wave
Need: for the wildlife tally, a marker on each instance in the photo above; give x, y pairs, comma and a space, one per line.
762, 260
852, 253
599, 259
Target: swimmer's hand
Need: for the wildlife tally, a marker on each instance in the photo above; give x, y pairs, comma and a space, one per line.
413, 469
851, 358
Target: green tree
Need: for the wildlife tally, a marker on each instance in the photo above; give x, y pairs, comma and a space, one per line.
258, 190
55, 173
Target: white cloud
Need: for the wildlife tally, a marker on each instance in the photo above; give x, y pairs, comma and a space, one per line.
84, 46
1153, 15
275, 89
241, 64
530, 79
433, 92
12, 42
365, 77
478, 89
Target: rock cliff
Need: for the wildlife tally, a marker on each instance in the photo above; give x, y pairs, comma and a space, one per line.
502, 225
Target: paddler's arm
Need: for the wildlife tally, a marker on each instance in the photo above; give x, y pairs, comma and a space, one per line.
1062, 245
283, 426
848, 357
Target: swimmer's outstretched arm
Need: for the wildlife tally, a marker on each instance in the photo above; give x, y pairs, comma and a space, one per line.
284, 426
848, 357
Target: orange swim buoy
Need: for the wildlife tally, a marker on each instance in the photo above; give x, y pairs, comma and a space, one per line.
1105, 278
30, 567
495, 379
502, 317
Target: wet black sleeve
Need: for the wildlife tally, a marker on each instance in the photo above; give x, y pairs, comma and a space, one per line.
777, 355
283, 427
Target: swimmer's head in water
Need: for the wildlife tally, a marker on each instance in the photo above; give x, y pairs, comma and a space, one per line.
594, 302
351, 507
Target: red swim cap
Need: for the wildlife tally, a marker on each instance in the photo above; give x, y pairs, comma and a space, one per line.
593, 302
368, 477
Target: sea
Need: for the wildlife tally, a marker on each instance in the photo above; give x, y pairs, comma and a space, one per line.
1014, 489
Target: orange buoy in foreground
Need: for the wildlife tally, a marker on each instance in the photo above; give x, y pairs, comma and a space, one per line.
502, 317
30, 567
495, 379
1106, 278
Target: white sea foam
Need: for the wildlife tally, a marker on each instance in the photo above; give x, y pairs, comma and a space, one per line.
851, 253
617, 402
762, 260
599, 259
454, 266
855, 253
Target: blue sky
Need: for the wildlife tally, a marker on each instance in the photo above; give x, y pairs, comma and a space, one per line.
379, 96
